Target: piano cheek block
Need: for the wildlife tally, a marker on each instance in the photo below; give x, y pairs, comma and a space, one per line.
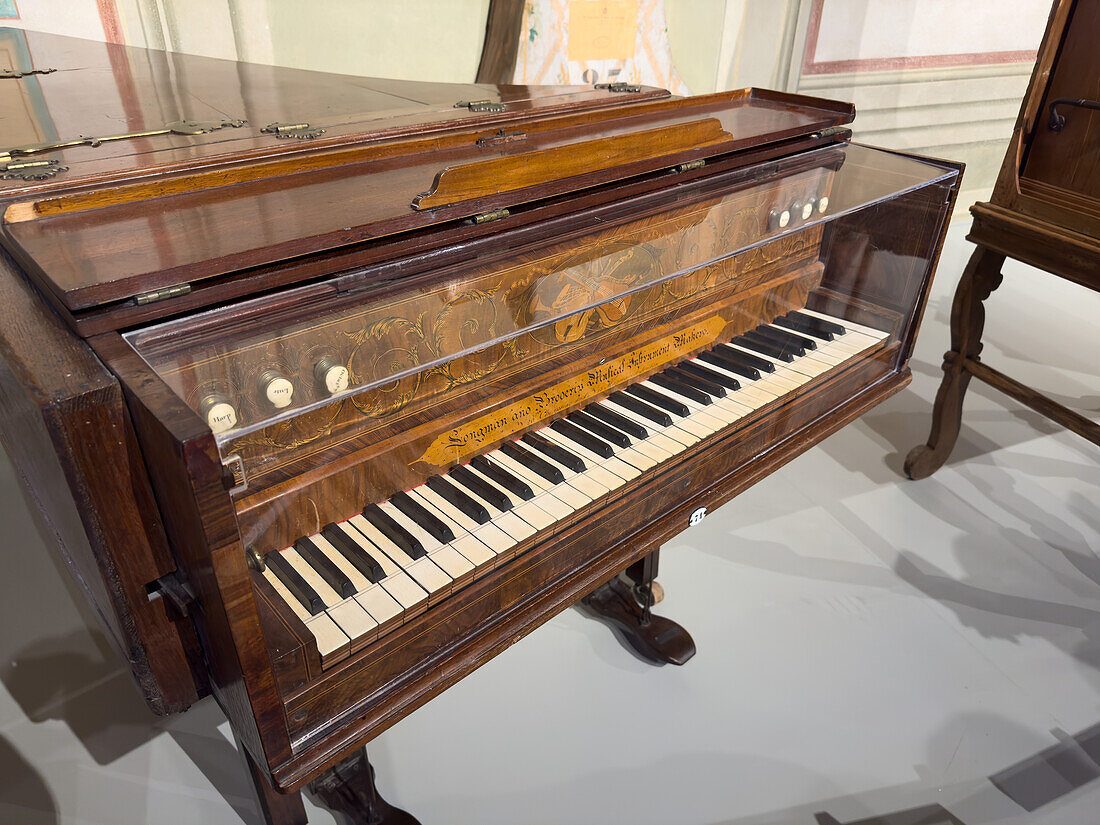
434, 390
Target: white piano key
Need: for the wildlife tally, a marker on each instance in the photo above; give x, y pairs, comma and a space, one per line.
506, 520
397, 583
570, 497
288, 597
849, 326
474, 550
358, 580
640, 459
426, 539
312, 577
491, 536
423, 571
381, 606
451, 562
359, 625
348, 615
710, 424
526, 509
326, 633
782, 379
673, 433
610, 472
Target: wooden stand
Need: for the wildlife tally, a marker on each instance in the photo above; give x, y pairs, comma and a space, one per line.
347, 788
628, 609
1045, 211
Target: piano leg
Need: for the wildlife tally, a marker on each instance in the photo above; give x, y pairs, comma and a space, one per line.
276, 808
981, 276
349, 788
628, 609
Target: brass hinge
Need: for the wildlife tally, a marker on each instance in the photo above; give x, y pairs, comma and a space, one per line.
162, 294
691, 164
488, 217
14, 73
31, 169
831, 131
177, 127
619, 87
299, 131
480, 105
501, 137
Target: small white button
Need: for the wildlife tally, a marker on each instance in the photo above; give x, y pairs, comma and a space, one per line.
823, 204
784, 218
280, 392
807, 210
221, 417
334, 377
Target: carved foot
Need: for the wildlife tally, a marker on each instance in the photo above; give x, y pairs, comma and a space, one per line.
655, 638
349, 789
925, 459
981, 276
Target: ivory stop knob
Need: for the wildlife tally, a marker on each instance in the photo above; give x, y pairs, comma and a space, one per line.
333, 376
219, 414
276, 388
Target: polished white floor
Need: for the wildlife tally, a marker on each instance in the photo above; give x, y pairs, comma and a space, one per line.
866, 644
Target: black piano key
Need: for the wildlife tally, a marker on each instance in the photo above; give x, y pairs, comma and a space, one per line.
639, 407
675, 385
619, 422
659, 399
792, 323
786, 337
425, 520
713, 376
458, 499
501, 476
820, 323
741, 357
722, 360
599, 429
389, 528
534, 463
558, 454
480, 487
294, 582
360, 558
711, 388
584, 438
325, 567
767, 346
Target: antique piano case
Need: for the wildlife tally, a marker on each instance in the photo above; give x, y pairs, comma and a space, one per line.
387, 394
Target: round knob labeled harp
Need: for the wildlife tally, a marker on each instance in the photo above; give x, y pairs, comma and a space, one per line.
219, 414
333, 376
276, 388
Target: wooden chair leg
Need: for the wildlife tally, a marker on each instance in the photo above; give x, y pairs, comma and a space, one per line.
981, 276
276, 808
628, 609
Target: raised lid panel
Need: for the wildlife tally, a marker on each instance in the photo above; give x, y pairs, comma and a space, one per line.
90, 252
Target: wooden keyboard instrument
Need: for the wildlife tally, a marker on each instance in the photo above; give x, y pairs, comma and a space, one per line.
331, 389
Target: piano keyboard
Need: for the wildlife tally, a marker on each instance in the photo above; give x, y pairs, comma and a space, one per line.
360, 578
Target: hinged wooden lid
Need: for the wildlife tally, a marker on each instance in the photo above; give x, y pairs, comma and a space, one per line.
181, 169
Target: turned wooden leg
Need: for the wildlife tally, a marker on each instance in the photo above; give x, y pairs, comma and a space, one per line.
981, 276
349, 789
627, 607
276, 808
